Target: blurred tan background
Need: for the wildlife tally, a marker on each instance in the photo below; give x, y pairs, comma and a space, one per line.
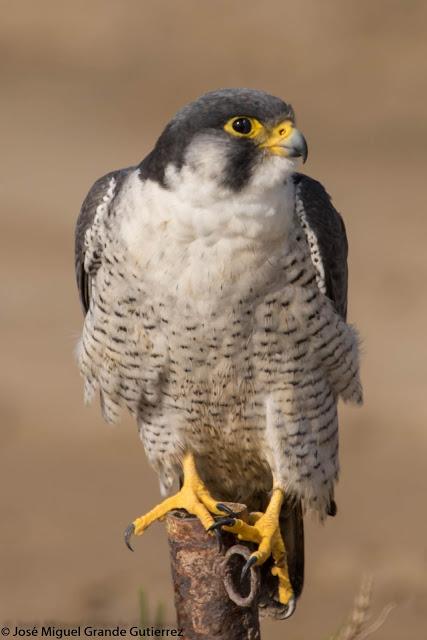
87, 87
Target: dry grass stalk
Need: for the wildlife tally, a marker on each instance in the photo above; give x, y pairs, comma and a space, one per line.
357, 626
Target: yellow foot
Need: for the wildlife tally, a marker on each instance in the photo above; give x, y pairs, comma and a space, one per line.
264, 530
193, 497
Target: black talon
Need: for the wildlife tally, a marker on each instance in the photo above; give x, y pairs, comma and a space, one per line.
129, 531
223, 507
290, 608
218, 537
221, 521
248, 565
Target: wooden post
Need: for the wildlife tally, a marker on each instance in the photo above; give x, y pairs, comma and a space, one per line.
210, 601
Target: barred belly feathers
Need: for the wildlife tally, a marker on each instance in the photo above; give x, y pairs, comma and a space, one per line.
226, 342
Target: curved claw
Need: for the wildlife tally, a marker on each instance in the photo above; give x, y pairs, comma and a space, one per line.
290, 608
221, 521
248, 564
129, 531
226, 509
218, 537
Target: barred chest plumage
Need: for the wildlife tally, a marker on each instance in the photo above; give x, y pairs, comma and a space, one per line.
226, 346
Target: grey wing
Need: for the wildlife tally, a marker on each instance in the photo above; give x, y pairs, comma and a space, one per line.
98, 194
328, 227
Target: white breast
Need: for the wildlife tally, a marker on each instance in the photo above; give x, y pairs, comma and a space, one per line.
199, 240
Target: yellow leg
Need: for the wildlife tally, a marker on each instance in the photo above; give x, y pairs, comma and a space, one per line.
193, 497
264, 530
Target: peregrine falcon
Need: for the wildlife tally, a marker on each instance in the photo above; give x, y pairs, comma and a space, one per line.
213, 279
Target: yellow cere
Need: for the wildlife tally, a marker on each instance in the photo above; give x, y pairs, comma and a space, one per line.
276, 136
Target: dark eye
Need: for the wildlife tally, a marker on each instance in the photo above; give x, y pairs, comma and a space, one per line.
242, 125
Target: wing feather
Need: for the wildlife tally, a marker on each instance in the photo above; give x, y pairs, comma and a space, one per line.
328, 227
97, 195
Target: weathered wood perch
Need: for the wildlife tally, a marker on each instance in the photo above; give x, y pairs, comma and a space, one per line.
210, 600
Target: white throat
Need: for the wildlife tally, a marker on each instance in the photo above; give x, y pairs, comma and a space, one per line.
196, 239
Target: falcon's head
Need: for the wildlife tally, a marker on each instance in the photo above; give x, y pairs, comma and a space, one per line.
230, 136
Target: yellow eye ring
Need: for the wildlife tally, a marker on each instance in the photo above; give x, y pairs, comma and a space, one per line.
243, 127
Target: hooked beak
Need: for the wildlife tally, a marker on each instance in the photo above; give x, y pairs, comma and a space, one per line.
285, 140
